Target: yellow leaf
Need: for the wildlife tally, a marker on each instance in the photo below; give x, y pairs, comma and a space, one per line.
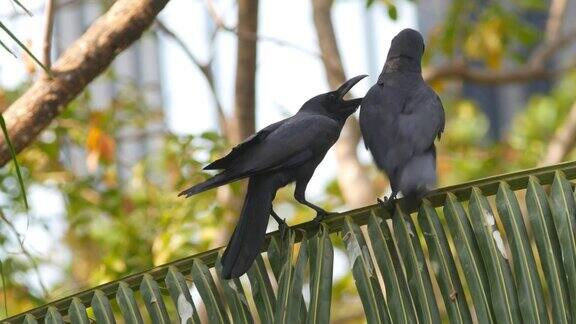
99, 146
93, 140
487, 43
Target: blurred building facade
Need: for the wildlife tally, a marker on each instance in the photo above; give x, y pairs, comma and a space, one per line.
136, 70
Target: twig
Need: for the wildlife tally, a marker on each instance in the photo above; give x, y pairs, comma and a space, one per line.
26, 253
220, 24
58, 6
49, 24
22, 7
205, 69
22, 46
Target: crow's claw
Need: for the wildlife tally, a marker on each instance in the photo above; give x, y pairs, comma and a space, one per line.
283, 228
386, 203
282, 225
320, 216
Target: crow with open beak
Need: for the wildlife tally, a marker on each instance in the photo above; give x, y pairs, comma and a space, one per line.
284, 152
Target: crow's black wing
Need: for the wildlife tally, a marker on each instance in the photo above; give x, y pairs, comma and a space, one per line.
421, 120
292, 143
397, 125
299, 139
379, 122
238, 150
442, 117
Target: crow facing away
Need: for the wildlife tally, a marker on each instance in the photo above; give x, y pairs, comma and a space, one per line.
284, 152
400, 118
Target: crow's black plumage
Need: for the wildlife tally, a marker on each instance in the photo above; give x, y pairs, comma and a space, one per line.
284, 152
400, 118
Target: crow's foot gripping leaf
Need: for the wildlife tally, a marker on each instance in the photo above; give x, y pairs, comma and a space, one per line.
282, 225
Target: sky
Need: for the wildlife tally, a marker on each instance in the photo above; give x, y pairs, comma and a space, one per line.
286, 78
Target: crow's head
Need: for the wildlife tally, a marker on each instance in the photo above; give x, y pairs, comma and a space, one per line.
333, 103
408, 44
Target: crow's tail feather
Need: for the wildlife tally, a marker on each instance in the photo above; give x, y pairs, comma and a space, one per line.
216, 181
250, 232
416, 179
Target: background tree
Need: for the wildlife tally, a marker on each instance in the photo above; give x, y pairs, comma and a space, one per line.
117, 224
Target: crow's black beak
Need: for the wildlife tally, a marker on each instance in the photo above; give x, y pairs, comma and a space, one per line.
353, 103
346, 86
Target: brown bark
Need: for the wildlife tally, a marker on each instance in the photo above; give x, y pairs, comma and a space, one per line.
244, 118
353, 181
245, 91
89, 56
556, 16
563, 140
462, 71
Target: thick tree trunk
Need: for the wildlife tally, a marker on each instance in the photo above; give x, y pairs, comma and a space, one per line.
245, 101
354, 183
244, 119
89, 56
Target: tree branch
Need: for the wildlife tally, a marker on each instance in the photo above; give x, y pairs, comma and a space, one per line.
535, 69
463, 72
555, 19
89, 56
565, 136
563, 140
205, 69
354, 183
550, 47
49, 24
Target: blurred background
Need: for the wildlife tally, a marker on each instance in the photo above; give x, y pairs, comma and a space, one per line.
103, 178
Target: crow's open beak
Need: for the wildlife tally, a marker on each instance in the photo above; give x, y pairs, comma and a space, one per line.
346, 86
351, 105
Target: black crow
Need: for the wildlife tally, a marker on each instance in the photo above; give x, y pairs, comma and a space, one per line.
284, 152
400, 118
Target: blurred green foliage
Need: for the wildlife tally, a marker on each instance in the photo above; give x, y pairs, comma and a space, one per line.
117, 225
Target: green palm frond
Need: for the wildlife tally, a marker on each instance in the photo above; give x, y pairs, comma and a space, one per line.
19, 4
15, 160
470, 239
2, 121
7, 48
22, 46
